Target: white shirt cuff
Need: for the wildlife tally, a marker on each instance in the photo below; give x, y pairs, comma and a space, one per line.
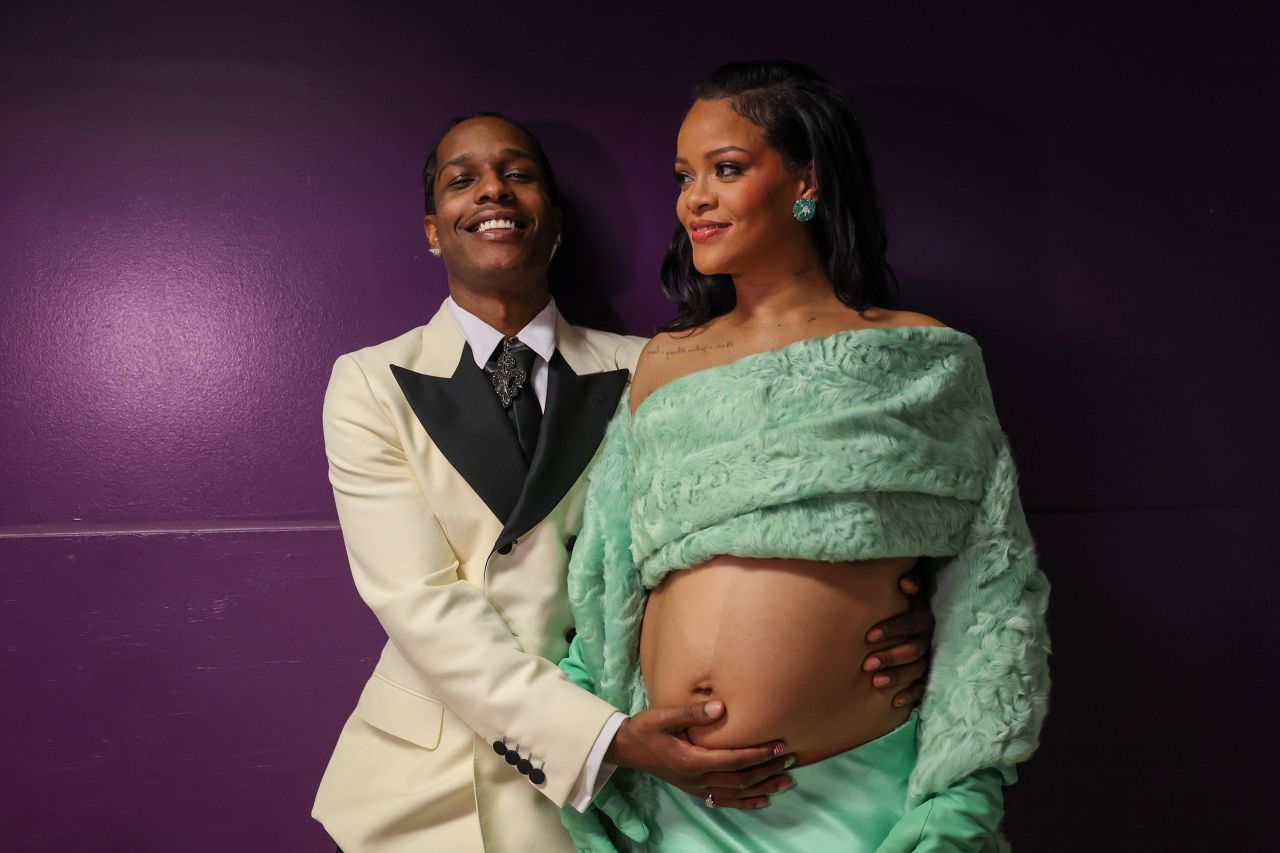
595, 772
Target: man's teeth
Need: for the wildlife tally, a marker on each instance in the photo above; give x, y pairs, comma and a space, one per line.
491, 224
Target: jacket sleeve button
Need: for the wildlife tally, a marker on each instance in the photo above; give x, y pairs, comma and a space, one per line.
537, 777
512, 757
499, 747
525, 766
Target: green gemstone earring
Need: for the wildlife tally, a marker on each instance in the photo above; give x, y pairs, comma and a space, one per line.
804, 209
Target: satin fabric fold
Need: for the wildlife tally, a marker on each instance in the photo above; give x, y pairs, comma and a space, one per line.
848, 802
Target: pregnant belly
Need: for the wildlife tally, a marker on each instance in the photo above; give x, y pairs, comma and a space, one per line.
781, 643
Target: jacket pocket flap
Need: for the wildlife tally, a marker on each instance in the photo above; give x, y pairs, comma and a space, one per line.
399, 711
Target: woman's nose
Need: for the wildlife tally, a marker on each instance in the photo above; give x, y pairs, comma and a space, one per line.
699, 196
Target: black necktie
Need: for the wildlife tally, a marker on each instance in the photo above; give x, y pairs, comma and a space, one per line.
510, 370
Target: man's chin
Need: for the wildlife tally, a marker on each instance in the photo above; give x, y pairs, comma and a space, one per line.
502, 257
500, 267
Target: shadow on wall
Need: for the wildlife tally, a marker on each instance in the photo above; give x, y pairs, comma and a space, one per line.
1089, 415
963, 183
589, 272
1151, 742
1097, 424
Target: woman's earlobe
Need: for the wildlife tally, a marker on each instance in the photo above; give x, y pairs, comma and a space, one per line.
811, 178
807, 204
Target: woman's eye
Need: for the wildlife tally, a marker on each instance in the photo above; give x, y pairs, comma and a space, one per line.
728, 170
681, 178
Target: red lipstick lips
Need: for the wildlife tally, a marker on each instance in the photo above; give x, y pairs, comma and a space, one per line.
702, 230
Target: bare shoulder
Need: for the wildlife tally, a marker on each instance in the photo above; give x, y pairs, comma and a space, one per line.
653, 366
670, 355
885, 318
657, 345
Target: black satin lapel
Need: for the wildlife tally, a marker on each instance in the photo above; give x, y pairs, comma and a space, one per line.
463, 418
577, 411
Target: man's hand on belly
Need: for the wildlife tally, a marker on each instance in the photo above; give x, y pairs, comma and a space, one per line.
654, 742
901, 661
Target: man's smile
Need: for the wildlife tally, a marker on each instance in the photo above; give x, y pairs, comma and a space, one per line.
501, 224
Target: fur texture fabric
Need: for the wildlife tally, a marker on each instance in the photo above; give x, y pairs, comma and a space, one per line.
862, 445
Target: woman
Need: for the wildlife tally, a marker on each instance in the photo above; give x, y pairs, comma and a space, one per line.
791, 444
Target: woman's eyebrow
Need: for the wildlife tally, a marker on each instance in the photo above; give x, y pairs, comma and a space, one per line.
716, 153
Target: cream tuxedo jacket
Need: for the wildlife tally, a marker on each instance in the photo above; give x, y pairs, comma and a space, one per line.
460, 548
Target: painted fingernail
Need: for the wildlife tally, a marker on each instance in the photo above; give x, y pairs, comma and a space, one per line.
764, 804
787, 784
872, 663
880, 680
779, 748
874, 635
791, 760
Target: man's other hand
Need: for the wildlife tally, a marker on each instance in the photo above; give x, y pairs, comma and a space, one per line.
901, 659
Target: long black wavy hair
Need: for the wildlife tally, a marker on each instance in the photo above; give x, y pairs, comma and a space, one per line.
805, 119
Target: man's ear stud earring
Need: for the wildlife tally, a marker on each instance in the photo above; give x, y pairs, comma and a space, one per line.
435, 250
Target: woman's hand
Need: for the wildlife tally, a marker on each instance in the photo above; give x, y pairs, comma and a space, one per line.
654, 742
901, 660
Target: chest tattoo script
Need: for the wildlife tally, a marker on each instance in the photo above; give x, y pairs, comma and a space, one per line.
689, 349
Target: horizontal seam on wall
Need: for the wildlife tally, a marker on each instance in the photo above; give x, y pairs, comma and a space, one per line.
56, 531
1153, 510
73, 529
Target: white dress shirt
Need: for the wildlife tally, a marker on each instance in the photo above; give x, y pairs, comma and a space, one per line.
540, 336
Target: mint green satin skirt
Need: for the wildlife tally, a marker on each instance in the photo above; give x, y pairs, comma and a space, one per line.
848, 802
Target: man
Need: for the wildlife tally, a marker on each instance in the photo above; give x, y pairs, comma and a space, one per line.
457, 455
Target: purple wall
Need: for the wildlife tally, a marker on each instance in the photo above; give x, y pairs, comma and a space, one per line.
202, 208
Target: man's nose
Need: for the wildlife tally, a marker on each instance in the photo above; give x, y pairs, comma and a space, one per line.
491, 187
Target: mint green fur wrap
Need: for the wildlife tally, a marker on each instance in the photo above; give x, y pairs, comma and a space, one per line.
862, 445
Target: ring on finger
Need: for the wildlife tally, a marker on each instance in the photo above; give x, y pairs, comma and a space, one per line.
710, 800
